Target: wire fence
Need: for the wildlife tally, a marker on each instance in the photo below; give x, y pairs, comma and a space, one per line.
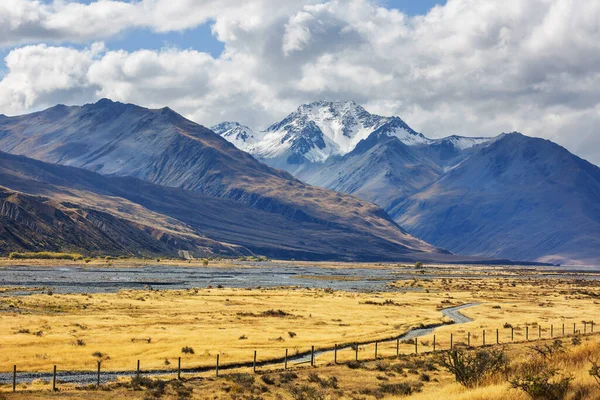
337, 354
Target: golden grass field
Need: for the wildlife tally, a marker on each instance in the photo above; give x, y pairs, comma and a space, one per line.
40, 330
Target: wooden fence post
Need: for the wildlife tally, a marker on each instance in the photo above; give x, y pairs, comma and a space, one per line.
484, 337
584, 327
15, 378
416, 345
217, 368
98, 380
512, 334
551, 331
592, 326
434, 343
574, 329
539, 331
563, 331
497, 337
179, 368
468, 339
312, 356
285, 359
138, 368
335, 353
376, 350
54, 380
356, 351
254, 363
450, 341
527, 332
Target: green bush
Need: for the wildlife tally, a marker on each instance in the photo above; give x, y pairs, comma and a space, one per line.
45, 255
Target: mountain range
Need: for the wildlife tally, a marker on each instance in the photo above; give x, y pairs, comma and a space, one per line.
507, 196
112, 176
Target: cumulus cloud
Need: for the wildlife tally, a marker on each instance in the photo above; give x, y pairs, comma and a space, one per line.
469, 67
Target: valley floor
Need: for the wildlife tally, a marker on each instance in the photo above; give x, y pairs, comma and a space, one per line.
513, 306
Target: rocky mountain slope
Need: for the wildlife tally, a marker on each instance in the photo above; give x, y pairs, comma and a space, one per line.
442, 191
161, 147
519, 197
50, 207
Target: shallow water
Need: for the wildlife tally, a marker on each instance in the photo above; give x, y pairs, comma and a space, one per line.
102, 280
69, 279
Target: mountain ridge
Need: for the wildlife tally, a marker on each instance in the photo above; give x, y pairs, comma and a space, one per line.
164, 148
395, 167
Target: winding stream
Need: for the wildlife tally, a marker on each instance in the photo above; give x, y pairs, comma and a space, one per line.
88, 377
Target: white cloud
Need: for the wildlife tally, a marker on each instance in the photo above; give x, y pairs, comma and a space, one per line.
470, 67
40, 76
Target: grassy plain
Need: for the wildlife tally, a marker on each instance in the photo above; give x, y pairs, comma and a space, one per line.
41, 330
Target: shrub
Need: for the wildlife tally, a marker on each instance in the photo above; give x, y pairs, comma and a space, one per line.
332, 382
354, 364
400, 389
100, 356
243, 380
187, 350
45, 255
576, 341
470, 369
548, 351
595, 370
268, 379
382, 366
156, 386
183, 392
292, 334
543, 384
306, 392
276, 314
418, 264
205, 262
287, 377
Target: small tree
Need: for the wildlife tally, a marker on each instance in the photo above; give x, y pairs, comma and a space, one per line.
469, 368
548, 351
543, 385
418, 265
205, 262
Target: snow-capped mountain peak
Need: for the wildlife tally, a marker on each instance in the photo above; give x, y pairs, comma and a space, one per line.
240, 135
323, 129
